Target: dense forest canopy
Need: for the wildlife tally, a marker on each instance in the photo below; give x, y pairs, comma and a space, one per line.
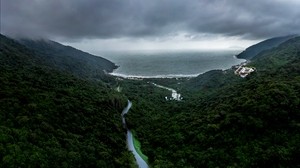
225, 120
53, 114
50, 118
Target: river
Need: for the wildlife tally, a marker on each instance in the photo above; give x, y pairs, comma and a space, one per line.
140, 162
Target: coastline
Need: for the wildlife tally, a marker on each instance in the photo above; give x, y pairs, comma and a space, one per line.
169, 65
169, 76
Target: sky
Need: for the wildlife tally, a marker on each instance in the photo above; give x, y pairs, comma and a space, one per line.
95, 25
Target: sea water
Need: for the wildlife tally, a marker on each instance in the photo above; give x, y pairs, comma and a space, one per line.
168, 64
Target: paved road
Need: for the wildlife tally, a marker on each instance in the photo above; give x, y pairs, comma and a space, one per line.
139, 160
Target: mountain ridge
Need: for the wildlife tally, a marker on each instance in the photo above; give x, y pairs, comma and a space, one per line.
70, 59
255, 49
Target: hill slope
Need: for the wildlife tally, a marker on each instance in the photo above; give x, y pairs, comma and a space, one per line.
252, 51
69, 59
52, 119
250, 122
264, 62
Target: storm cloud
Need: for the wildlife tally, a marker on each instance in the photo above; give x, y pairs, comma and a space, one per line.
107, 19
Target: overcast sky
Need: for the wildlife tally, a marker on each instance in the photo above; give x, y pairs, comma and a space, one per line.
96, 25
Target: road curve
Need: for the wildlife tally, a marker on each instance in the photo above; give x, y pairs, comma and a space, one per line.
139, 160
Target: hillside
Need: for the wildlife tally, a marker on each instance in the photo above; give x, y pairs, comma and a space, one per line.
283, 55
252, 51
210, 81
264, 62
249, 122
69, 59
49, 118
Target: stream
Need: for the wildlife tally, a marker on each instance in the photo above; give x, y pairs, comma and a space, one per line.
139, 160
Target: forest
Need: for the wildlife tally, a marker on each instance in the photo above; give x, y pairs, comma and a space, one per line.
224, 120
51, 118
57, 116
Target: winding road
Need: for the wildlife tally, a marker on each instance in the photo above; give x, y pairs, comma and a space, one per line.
140, 162
174, 95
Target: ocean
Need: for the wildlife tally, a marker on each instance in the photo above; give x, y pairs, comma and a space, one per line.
169, 64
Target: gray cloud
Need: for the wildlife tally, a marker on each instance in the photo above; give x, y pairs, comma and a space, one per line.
104, 19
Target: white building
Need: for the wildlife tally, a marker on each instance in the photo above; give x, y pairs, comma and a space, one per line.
243, 71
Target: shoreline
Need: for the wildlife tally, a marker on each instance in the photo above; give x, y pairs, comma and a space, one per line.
170, 76
167, 76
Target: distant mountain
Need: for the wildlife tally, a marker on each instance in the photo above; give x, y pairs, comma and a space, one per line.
69, 59
253, 50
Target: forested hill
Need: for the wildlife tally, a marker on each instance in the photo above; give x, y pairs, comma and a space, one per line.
69, 59
265, 62
252, 51
49, 118
239, 122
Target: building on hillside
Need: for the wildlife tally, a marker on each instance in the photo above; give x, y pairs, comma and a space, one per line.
244, 71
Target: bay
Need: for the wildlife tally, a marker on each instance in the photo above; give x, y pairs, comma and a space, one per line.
168, 64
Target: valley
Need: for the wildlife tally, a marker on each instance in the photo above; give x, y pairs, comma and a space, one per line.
216, 119
225, 122
149, 84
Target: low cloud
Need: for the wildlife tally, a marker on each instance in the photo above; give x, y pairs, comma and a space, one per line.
111, 19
